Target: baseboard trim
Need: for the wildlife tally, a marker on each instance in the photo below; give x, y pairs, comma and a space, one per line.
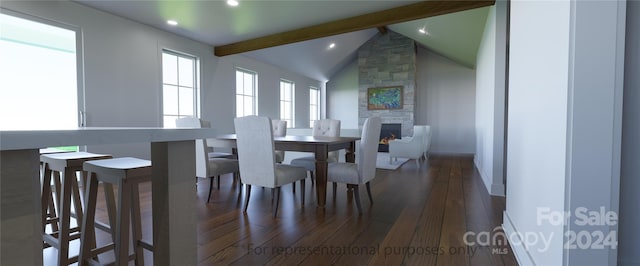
452, 154
497, 190
519, 251
493, 189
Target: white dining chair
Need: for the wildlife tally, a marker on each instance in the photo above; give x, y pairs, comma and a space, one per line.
258, 165
364, 170
211, 151
206, 166
321, 128
279, 130
409, 147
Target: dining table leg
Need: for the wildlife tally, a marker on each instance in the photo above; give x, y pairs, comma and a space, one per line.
350, 156
321, 175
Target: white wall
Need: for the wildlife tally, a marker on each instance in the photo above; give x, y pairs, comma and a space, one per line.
221, 96
490, 100
342, 96
122, 68
485, 88
445, 99
564, 125
629, 236
537, 122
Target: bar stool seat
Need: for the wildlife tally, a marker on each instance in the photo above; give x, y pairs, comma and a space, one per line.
126, 173
64, 165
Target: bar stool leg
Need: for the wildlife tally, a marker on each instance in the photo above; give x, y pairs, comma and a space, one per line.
65, 214
87, 238
136, 224
77, 203
122, 222
110, 200
46, 196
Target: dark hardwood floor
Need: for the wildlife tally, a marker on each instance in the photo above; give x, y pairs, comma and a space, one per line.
419, 217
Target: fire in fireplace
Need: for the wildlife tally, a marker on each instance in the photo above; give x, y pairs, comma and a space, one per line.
389, 131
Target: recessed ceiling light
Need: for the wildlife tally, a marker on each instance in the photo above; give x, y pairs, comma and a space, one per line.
332, 45
172, 22
423, 30
232, 2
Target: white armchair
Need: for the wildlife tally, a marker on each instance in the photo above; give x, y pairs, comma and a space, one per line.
427, 142
409, 147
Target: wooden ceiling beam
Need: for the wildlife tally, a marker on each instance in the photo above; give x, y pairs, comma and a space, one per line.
372, 20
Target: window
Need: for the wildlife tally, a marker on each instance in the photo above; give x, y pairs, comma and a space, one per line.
314, 105
246, 83
180, 91
286, 101
39, 62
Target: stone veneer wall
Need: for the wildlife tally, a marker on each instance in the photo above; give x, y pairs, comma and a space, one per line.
388, 60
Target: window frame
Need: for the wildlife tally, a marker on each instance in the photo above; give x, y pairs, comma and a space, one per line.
253, 95
80, 116
195, 85
283, 102
316, 91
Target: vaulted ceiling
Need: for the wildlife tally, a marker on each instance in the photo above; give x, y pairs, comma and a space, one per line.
456, 35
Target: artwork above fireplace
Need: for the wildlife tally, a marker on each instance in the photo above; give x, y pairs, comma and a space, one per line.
389, 131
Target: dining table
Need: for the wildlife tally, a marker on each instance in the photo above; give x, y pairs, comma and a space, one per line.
320, 146
172, 153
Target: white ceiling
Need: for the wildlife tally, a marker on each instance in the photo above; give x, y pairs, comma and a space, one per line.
455, 36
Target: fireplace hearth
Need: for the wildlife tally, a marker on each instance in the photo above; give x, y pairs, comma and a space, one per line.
389, 131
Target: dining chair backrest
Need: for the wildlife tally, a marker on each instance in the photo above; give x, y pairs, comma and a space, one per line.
327, 128
202, 162
279, 128
368, 150
255, 150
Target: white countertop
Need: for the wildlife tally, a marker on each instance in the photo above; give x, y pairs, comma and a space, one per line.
35, 139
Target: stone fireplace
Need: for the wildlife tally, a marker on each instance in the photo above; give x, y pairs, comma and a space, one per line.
388, 132
388, 60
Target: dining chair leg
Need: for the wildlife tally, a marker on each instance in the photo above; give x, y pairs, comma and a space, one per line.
293, 187
356, 193
218, 183
238, 201
302, 191
335, 190
313, 178
275, 212
211, 187
246, 199
369, 192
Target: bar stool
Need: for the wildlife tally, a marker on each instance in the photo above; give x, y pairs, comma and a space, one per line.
127, 173
65, 166
50, 210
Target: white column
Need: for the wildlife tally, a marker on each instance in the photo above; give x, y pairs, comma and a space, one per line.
20, 214
174, 194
